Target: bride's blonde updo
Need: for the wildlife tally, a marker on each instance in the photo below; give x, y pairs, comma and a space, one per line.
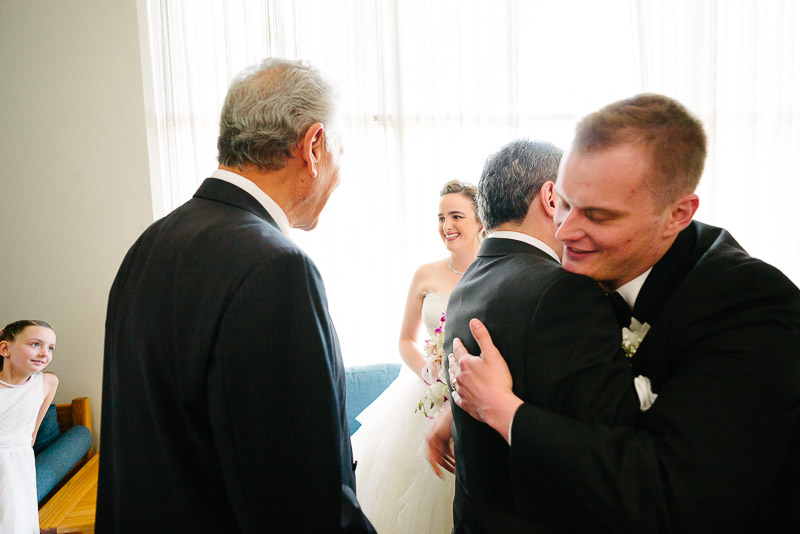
457, 186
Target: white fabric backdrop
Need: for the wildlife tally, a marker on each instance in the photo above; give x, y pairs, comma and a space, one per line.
429, 89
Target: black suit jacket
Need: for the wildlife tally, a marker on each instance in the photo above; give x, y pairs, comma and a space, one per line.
223, 385
719, 451
559, 336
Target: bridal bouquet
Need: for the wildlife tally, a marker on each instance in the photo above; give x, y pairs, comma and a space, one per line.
433, 374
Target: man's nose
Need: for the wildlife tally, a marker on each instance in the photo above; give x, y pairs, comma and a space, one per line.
567, 227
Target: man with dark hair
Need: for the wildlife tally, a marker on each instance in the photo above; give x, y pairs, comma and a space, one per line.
717, 336
223, 384
558, 326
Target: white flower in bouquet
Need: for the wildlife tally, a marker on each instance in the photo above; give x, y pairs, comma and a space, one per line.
433, 374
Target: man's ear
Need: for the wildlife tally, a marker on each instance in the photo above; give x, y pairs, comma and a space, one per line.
313, 146
681, 214
548, 197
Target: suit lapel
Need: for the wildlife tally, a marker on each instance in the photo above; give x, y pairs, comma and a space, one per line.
665, 277
656, 293
671, 288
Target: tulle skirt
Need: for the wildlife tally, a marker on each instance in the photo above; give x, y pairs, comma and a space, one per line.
395, 484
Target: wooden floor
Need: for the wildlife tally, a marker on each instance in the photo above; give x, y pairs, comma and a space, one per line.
72, 508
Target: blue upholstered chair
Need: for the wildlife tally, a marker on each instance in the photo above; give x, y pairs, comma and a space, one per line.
61, 444
364, 384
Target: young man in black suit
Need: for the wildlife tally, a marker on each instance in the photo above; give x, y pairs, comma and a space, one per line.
719, 450
557, 326
223, 386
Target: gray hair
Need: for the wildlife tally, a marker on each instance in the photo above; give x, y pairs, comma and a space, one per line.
269, 108
512, 178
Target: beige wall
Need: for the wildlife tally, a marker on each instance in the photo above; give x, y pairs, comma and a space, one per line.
74, 184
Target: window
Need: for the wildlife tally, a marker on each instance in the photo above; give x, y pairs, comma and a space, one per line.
429, 89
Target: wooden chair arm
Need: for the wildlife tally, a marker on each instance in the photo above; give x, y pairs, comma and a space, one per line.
75, 413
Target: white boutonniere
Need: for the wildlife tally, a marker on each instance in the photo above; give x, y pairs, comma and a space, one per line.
632, 337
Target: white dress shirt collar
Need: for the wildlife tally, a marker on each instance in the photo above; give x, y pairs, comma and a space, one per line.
272, 208
630, 290
519, 236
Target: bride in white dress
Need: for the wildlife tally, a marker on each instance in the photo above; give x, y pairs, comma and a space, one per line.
396, 486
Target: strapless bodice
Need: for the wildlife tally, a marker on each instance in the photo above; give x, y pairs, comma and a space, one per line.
433, 306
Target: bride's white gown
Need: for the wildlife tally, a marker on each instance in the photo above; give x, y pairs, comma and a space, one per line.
396, 486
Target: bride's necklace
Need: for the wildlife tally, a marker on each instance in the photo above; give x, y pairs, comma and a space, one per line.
14, 385
450, 266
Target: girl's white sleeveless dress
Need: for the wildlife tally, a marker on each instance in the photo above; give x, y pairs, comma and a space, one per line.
395, 484
19, 506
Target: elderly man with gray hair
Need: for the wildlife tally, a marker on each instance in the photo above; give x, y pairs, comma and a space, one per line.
223, 385
558, 328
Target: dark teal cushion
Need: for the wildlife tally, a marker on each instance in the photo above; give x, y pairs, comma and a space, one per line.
48, 430
55, 461
364, 384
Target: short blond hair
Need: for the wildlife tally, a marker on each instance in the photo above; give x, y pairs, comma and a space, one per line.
674, 138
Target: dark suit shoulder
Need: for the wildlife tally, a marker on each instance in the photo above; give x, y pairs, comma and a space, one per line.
554, 328
213, 228
725, 277
507, 263
553, 287
567, 283
720, 255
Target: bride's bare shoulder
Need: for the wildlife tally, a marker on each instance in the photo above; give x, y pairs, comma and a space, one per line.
432, 269
431, 277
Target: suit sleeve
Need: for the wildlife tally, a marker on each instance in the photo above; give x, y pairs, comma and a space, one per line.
576, 368
276, 399
703, 457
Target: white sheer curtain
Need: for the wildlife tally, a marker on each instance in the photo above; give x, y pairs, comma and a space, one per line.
429, 89
736, 64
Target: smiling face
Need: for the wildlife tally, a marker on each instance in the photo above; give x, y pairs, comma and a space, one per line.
29, 352
606, 215
458, 221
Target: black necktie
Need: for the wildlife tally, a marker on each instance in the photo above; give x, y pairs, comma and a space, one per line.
621, 309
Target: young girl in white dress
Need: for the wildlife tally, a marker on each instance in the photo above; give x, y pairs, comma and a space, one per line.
397, 488
26, 348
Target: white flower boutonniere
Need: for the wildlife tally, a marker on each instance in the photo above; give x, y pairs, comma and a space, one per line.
632, 337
